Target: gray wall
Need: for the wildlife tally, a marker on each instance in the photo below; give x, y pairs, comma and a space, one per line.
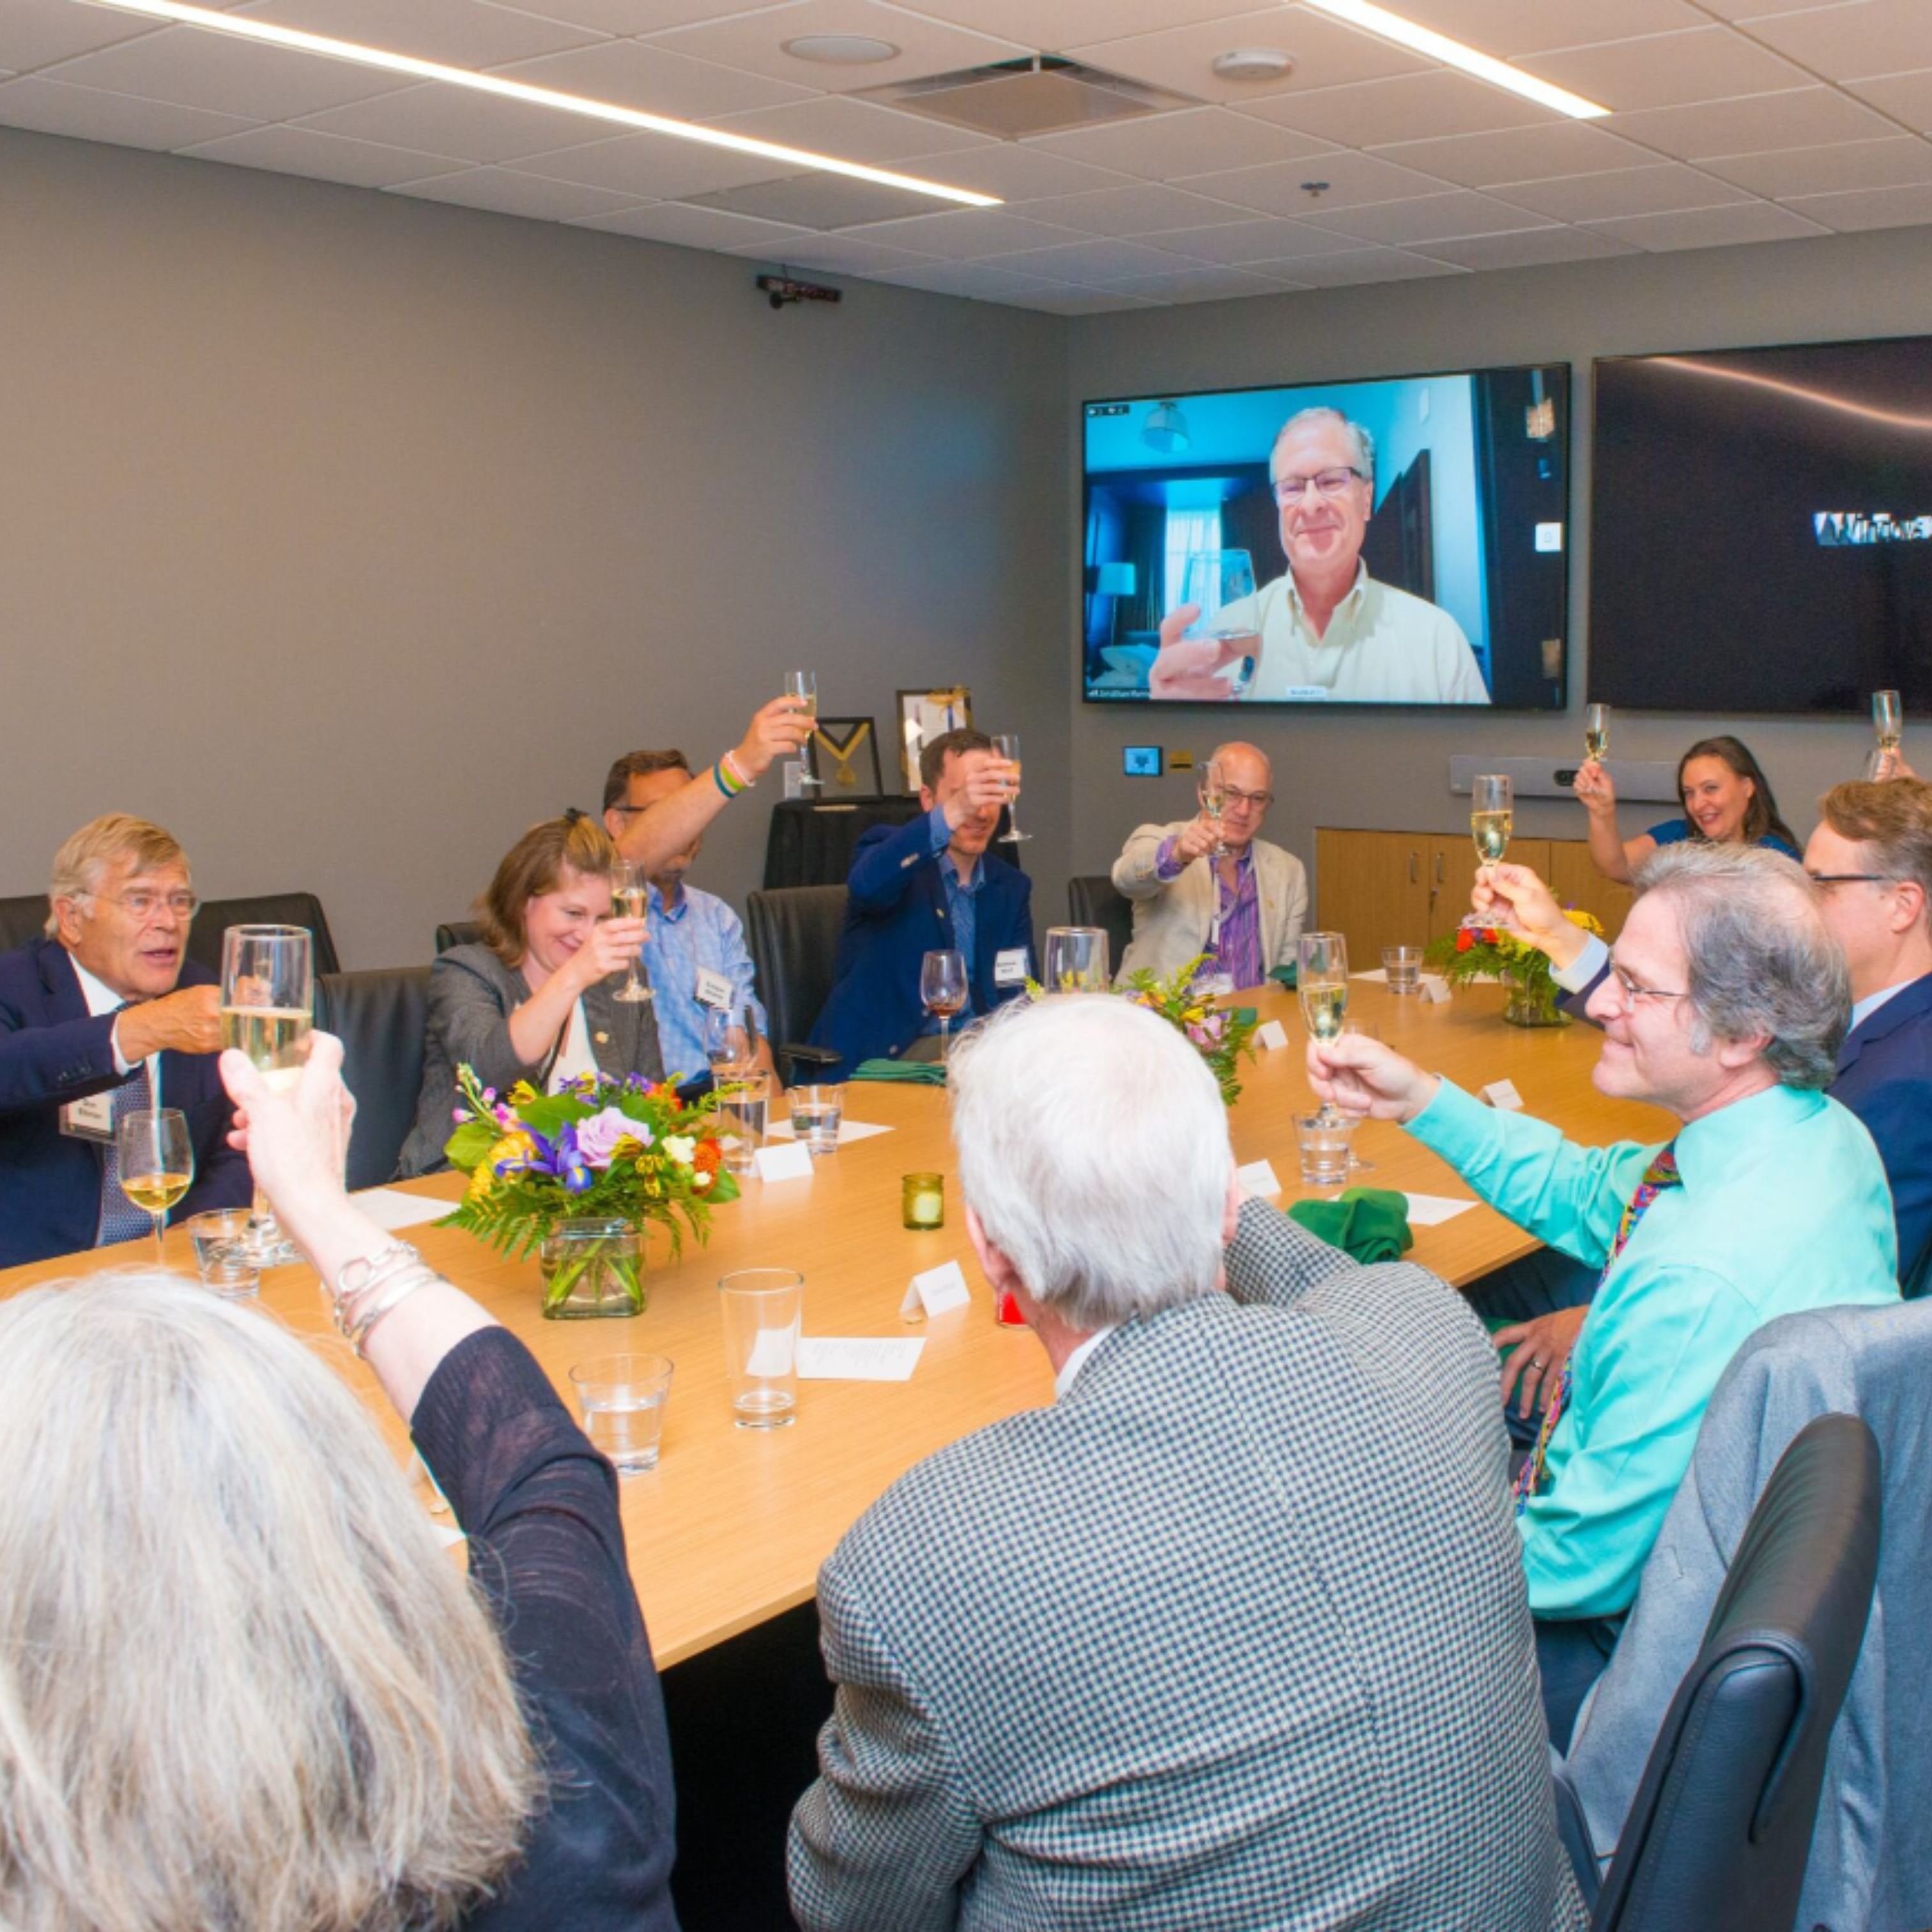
1390, 770
345, 535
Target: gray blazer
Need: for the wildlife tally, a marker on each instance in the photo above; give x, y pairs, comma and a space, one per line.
1232, 1637
1871, 1852
1171, 921
472, 995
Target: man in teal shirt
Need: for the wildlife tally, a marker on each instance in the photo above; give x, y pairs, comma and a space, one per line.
1725, 1004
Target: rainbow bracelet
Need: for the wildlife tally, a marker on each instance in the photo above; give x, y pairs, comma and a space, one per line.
730, 781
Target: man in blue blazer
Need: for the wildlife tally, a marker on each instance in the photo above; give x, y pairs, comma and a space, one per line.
929, 887
105, 1015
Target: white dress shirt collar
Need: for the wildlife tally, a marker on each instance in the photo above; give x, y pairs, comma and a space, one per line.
1074, 1363
1863, 1009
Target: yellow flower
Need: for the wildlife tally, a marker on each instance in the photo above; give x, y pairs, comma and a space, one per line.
1576, 915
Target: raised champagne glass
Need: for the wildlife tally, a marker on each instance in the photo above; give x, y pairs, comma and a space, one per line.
801, 688
1491, 812
1006, 745
1212, 790
1222, 583
156, 1161
1597, 731
267, 1005
1322, 981
1888, 728
942, 988
630, 898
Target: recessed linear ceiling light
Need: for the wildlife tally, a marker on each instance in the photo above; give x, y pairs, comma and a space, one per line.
1379, 20
354, 51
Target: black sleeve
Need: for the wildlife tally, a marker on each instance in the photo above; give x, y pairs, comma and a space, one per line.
547, 1546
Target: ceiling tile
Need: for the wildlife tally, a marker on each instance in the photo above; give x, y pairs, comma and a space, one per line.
1509, 27
627, 73
1190, 142
458, 122
685, 226
1055, 26
1518, 154
1354, 180
92, 114
1873, 208
193, 67
502, 191
1851, 41
1015, 171
1739, 10
36, 33
300, 150
1090, 302
639, 16
834, 254
459, 33
1893, 163
1327, 54
1755, 124
1431, 217
1713, 227
1629, 191
1139, 209
1906, 96
756, 43
1092, 263
966, 234
973, 280
1193, 285
1667, 70
652, 167
1408, 107
1361, 265
854, 130
1243, 242
820, 201
1530, 248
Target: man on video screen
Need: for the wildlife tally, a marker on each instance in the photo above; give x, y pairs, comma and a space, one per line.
1326, 629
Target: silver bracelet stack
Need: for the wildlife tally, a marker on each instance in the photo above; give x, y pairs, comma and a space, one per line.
371, 1285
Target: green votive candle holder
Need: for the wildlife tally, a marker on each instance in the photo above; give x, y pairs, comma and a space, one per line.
922, 1200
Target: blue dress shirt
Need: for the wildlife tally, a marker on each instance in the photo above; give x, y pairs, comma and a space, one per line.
699, 932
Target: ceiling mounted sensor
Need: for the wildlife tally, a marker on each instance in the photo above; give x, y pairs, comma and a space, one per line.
1165, 428
841, 49
1254, 63
1042, 94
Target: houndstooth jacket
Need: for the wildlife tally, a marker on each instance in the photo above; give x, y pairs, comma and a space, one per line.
1232, 1637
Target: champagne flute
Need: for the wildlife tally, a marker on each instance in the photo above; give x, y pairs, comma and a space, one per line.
801, 688
942, 988
1322, 980
1212, 790
1222, 582
268, 1001
1006, 745
1597, 731
1888, 724
1491, 812
156, 1164
630, 898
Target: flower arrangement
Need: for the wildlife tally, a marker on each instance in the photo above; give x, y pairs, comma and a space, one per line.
626, 1150
1220, 1036
1491, 952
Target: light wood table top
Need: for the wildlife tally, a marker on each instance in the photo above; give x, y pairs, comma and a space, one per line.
731, 1526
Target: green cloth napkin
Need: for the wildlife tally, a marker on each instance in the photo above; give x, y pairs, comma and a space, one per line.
1369, 1224
1285, 975
915, 1073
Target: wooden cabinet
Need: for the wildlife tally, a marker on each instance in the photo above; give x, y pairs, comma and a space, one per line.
1452, 875
1576, 882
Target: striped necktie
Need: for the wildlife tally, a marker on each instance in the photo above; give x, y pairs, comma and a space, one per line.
1660, 1174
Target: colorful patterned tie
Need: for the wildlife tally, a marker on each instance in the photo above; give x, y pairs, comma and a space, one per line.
1660, 1174
121, 1220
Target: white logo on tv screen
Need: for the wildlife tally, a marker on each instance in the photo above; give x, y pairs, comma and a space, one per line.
1836, 529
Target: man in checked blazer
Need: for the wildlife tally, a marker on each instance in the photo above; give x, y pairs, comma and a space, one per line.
1154, 1658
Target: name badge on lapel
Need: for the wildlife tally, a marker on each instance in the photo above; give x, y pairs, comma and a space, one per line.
1009, 966
90, 1120
714, 990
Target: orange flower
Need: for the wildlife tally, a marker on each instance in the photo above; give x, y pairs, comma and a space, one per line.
709, 1158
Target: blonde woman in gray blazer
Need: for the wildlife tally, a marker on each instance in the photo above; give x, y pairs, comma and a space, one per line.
1175, 902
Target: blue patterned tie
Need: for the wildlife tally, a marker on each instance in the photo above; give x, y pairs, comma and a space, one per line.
121, 1220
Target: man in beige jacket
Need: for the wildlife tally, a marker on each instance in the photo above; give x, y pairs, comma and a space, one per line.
1245, 910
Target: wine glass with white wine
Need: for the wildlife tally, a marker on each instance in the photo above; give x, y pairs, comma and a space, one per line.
1491, 811
1888, 728
630, 898
1322, 980
268, 1006
801, 688
155, 1162
1212, 791
1006, 745
1597, 731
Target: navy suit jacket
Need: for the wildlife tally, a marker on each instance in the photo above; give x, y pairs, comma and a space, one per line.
897, 913
51, 1050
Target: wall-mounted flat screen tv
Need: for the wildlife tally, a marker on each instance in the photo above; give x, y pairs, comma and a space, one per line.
1398, 542
1761, 528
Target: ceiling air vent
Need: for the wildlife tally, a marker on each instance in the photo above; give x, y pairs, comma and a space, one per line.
1042, 94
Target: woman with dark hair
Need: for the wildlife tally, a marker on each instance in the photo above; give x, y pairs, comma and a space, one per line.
1727, 801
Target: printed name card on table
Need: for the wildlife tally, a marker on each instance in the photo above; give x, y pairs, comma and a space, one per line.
792, 1162
934, 1292
1433, 988
1430, 1210
1502, 1093
1257, 1180
1270, 1035
859, 1358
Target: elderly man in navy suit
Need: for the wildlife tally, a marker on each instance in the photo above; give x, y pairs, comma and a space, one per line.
103, 1016
930, 886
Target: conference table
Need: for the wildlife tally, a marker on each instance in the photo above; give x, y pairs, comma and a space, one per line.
729, 1530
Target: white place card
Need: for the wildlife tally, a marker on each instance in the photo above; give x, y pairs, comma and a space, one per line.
1433, 988
860, 1358
1257, 1180
849, 1131
1270, 1035
934, 1292
1379, 974
790, 1162
1430, 1210
1502, 1093
392, 1208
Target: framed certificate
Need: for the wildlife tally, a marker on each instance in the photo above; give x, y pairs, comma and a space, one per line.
924, 715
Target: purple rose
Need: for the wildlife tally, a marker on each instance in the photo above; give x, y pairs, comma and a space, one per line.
597, 1137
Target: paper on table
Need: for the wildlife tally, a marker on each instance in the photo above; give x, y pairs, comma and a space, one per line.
859, 1358
849, 1131
791, 1162
936, 1291
1270, 1034
1502, 1093
1257, 1180
1428, 1210
392, 1208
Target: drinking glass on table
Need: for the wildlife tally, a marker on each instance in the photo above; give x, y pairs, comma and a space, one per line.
268, 1001
1075, 960
630, 898
1597, 731
817, 1107
1006, 745
764, 1311
622, 1398
1491, 812
1212, 581
1321, 983
801, 688
730, 1039
1403, 966
156, 1164
942, 989
744, 1097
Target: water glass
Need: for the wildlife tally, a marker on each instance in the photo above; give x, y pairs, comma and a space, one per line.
816, 1112
763, 1310
1403, 966
622, 1398
744, 1099
1325, 1143
1075, 960
224, 1251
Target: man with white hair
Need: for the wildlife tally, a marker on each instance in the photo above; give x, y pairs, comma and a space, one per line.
1327, 629
1725, 1003
1147, 1658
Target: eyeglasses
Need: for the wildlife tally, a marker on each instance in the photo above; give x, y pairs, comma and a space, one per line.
1633, 992
1231, 800
1851, 878
143, 906
1327, 483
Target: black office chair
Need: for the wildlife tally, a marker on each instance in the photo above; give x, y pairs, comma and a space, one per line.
217, 916
793, 935
22, 921
458, 932
1720, 1832
1094, 900
380, 1017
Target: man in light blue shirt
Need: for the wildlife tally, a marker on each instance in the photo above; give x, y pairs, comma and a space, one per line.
695, 952
1725, 1005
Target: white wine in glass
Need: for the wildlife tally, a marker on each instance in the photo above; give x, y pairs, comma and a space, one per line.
630, 898
1888, 720
1322, 979
1006, 745
155, 1159
1597, 731
1212, 790
801, 688
267, 1005
942, 989
1489, 817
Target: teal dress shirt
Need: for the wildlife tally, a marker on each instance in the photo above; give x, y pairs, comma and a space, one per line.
1784, 1207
